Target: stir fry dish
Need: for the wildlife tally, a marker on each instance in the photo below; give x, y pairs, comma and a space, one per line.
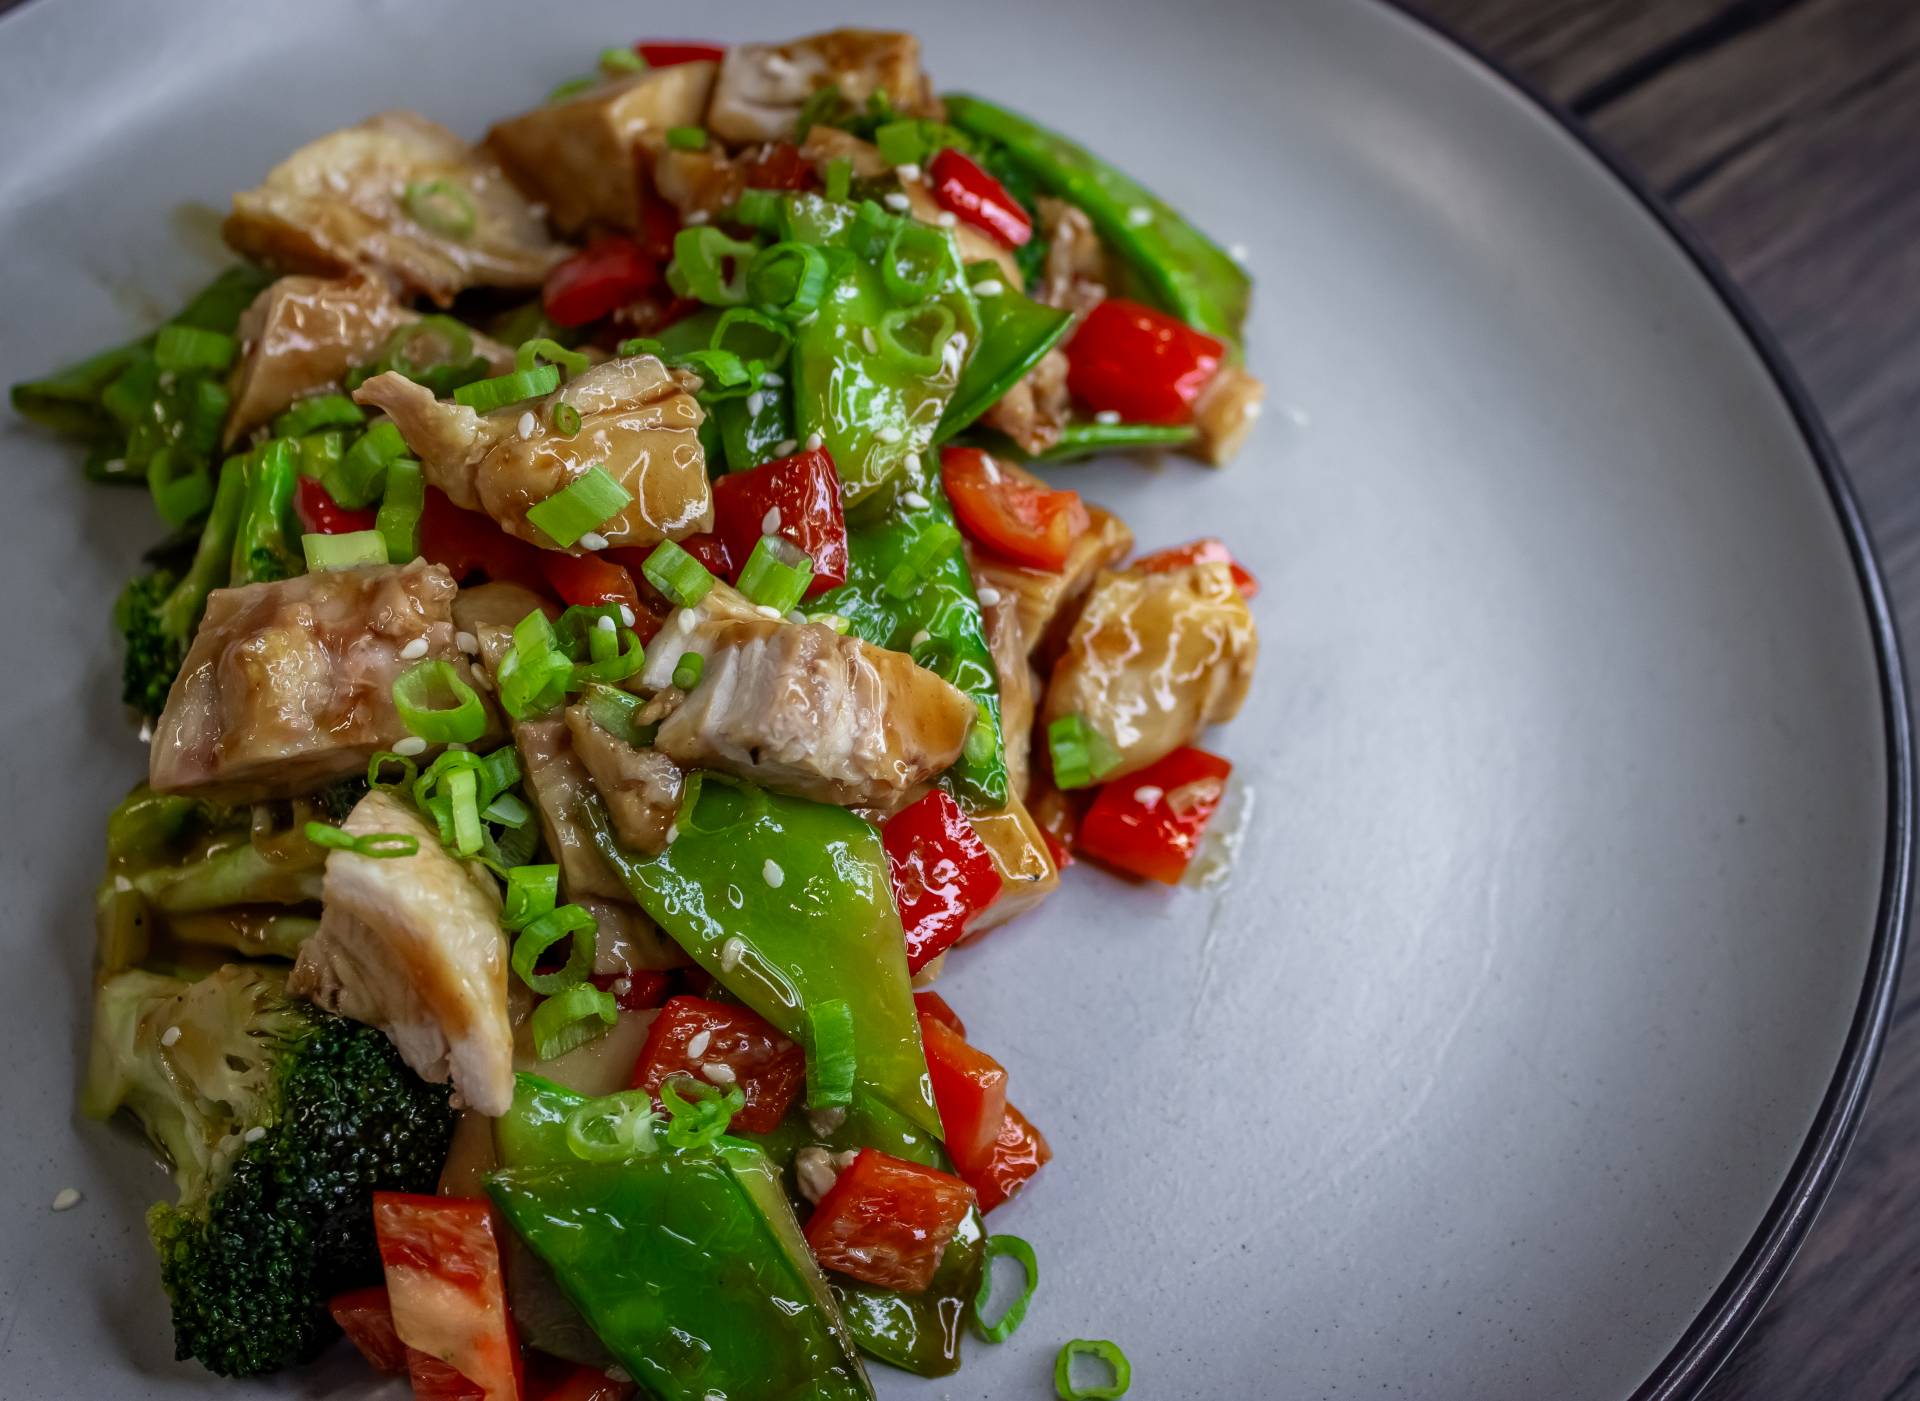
612, 643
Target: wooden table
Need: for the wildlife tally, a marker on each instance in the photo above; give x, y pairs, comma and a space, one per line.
1787, 133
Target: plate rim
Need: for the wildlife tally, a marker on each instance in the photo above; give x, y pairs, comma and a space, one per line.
1711, 1336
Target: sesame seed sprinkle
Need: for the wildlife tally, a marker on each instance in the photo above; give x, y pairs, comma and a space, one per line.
785, 447
772, 379
684, 620
169, 1036
946, 218
719, 1072
914, 501
697, 1047
1107, 416
898, 201
813, 442
1139, 216
699, 216
920, 637
673, 831
771, 873
908, 170
410, 746
254, 1134
989, 596
866, 339
527, 424
766, 610
1147, 795
66, 1199
770, 522
606, 624
731, 952
889, 434
466, 642
755, 402
414, 650
989, 287
593, 540
626, 616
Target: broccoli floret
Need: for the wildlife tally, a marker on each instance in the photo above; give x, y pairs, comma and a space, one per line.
269, 1224
267, 545
158, 612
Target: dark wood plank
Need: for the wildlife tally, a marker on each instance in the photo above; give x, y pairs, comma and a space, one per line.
1788, 133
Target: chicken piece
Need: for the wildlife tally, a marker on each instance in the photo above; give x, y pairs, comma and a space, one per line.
802, 709
1033, 412
1155, 658
974, 245
289, 685
1075, 274
1018, 682
302, 335
699, 184
1043, 599
637, 420
413, 945
343, 202
581, 157
628, 941
1225, 413
825, 144
1027, 872
762, 87
641, 787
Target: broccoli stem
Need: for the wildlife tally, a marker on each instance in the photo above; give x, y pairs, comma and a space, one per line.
180, 613
267, 544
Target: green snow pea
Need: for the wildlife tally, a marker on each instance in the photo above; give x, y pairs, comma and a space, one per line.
788, 903
1079, 440
906, 574
1015, 331
1188, 273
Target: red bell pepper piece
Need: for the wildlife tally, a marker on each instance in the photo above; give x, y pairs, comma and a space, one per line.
970, 1087
1011, 516
1207, 550
550, 1379
447, 1293
691, 1033
320, 514
434, 1380
943, 874
587, 579
976, 198
1018, 1153
781, 167
886, 1221
1148, 823
1140, 363
367, 1319
468, 543
805, 492
929, 1003
635, 991
598, 280
665, 53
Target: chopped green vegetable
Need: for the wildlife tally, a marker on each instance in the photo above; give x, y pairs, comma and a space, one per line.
1102, 1351
1003, 1327
349, 550
583, 505
434, 703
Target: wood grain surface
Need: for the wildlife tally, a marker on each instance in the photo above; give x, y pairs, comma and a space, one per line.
1787, 133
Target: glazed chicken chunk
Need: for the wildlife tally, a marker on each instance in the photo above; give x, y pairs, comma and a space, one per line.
641, 787
413, 945
637, 421
1154, 658
289, 685
400, 197
763, 86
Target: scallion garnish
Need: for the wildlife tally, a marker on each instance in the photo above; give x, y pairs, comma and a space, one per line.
901, 143
532, 891
573, 87
486, 395
753, 336
1081, 755
398, 519
377, 770
914, 247
687, 138
688, 670
789, 278
621, 61
572, 1018
777, 574
698, 1113
441, 206
533, 676
182, 489
586, 503
435, 704
379, 845
757, 209
181, 349
361, 475
350, 550
829, 1054
544, 349
320, 411
1067, 1389
677, 574
613, 1128
565, 419
711, 266
541, 934
1003, 1327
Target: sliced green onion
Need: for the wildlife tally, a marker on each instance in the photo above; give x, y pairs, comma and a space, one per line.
1003, 1328
642, 345
915, 338
441, 206
699, 1113
982, 736
508, 811
677, 574
182, 488
617, 712
320, 411
789, 278
586, 503
362, 473
463, 795
757, 209
178, 349
835, 621
533, 676
322, 453
612, 1128
776, 574
1082, 756
573, 87
381, 846
924, 248
509, 850
532, 891
435, 351
541, 934
933, 546
687, 671
901, 143
350, 550
572, 1018
687, 138
435, 704
829, 1054
1100, 1350
377, 770
839, 179
721, 370
701, 256
768, 348
621, 61
502, 770
486, 395
544, 349
398, 520
565, 419
613, 657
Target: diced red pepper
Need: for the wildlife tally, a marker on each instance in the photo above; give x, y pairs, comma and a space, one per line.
1203, 551
659, 222
434, 1380
468, 543
943, 874
805, 492
1142, 364
886, 1221
1149, 823
549, 1379
1010, 516
598, 280
320, 514
691, 1033
976, 198
665, 53
643, 988
587, 579
447, 1293
1018, 1153
970, 1087
780, 166
367, 1319
929, 1003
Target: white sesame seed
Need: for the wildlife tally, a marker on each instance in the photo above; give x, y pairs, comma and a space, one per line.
899, 202
673, 832
914, 501
770, 522
785, 447
989, 596
1107, 416
919, 637
699, 216
410, 746
907, 170
684, 620
731, 952
755, 402
697, 1047
482, 680
772, 379
766, 610
813, 442
606, 624
122, 884
169, 1036
1253, 411
527, 424
770, 872
626, 616
114, 466
66, 1199
1139, 216
989, 287
466, 642
889, 434
1239, 252
866, 339
808, 319
1147, 795
593, 540
992, 468
719, 1072
414, 650
254, 1134
946, 218
620, 987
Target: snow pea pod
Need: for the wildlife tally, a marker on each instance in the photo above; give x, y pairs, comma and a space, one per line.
1188, 273
1015, 331
1078, 440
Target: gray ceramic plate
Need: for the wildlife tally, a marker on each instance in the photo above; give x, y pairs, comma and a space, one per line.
1538, 1008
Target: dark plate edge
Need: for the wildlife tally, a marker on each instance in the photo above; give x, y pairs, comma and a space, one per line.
1731, 1310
